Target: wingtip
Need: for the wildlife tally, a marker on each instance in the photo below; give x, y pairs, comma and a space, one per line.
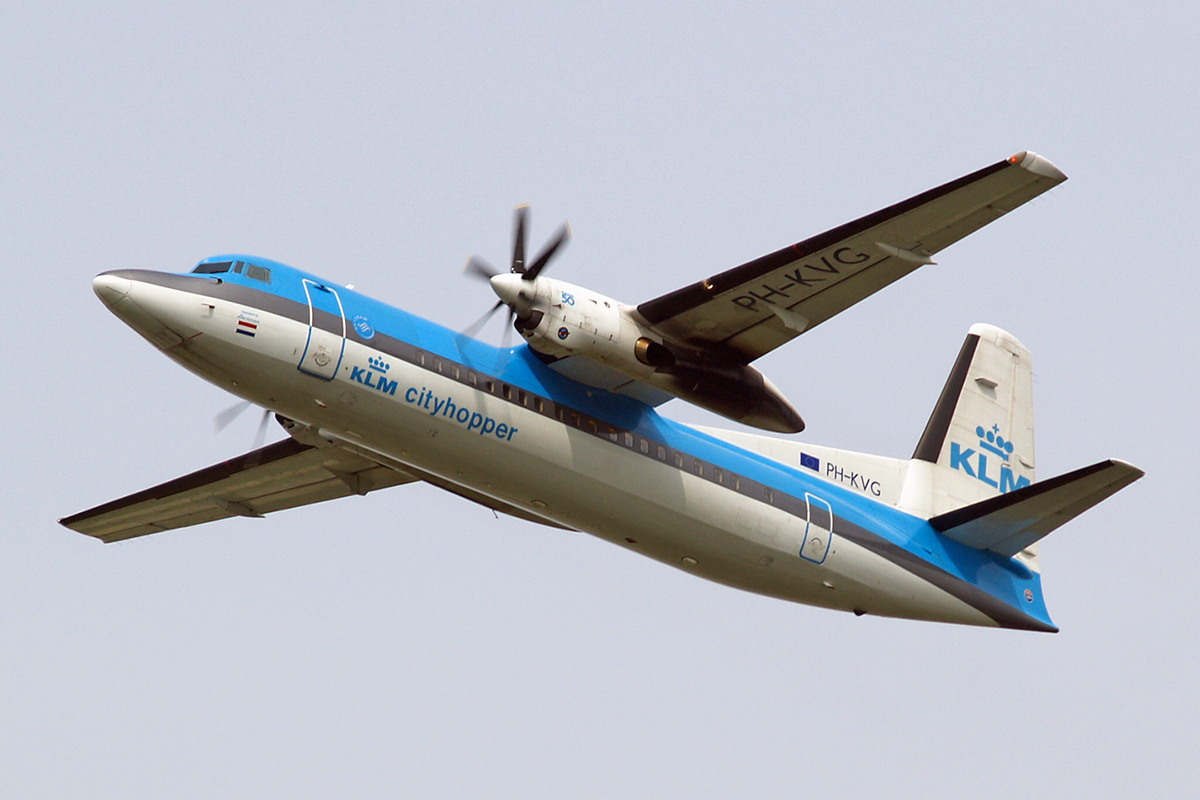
1135, 472
1038, 165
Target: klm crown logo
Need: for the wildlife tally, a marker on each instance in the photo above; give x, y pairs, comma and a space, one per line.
374, 376
975, 463
993, 442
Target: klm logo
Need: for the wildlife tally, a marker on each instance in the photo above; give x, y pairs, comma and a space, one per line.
990, 463
374, 376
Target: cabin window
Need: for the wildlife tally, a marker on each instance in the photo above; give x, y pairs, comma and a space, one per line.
437, 364
679, 460
506, 390
662, 453
472, 378
643, 445
613, 435
540, 405
490, 385
628, 439
699, 467
720, 476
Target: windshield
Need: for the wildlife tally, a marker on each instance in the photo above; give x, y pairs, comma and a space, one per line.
252, 271
209, 269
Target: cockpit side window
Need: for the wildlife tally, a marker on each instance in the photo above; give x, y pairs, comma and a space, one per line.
258, 273
213, 268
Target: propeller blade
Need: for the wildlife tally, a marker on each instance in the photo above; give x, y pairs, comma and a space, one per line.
478, 268
478, 324
506, 338
564, 235
261, 436
520, 215
221, 421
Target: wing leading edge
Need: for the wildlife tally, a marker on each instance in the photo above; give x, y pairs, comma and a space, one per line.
750, 310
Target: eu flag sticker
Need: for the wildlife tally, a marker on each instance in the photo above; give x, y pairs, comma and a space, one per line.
812, 462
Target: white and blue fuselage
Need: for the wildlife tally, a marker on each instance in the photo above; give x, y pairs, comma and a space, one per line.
501, 424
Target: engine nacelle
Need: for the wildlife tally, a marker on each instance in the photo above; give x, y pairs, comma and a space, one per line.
559, 319
567, 320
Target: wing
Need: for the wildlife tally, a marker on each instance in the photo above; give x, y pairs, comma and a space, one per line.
282, 475
752, 309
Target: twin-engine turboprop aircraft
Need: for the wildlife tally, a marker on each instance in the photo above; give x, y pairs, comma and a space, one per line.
562, 430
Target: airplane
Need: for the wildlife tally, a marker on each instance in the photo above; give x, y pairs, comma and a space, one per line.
563, 430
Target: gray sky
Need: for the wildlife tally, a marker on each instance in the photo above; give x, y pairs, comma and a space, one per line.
408, 643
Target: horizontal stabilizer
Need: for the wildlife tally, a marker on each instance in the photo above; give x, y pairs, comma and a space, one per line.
1011, 522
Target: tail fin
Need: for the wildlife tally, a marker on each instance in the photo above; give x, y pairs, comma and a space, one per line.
978, 442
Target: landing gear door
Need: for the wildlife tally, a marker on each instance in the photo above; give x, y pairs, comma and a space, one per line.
818, 531
323, 351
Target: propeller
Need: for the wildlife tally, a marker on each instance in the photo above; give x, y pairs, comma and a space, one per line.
480, 269
221, 421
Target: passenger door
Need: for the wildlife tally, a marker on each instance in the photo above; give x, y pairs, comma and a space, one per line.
323, 351
819, 531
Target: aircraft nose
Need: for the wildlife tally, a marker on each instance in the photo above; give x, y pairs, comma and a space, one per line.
111, 287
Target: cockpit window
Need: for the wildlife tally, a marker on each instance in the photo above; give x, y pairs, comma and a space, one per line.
209, 269
250, 270
258, 273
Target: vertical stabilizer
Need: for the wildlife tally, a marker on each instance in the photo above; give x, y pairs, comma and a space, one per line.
978, 442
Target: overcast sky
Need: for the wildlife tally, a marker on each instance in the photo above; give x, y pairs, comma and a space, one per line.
411, 644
